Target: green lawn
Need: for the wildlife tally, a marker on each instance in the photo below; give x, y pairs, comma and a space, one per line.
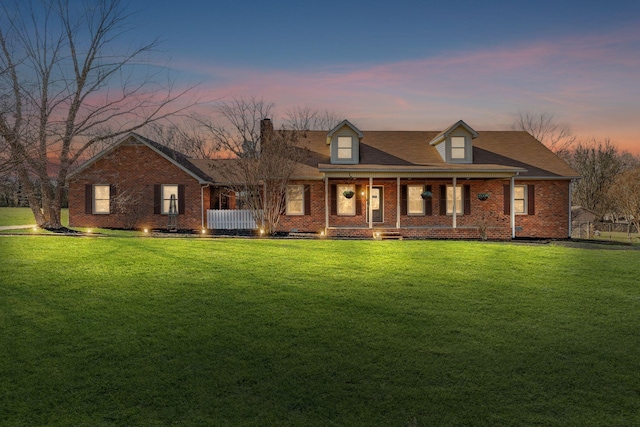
24, 216
200, 331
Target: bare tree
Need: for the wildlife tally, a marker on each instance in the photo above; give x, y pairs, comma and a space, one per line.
625, 193
547, 129
598, 162
189, 136
69, 80
260, 159
307, 118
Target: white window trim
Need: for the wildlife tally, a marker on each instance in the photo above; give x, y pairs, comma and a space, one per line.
463, 148
95, 199
459, 206
409, 212
340, 189
524, 199
162, 198
301, 200
346, 140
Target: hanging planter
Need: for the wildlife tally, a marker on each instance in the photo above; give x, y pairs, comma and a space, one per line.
483, 196
426, 195
348, 194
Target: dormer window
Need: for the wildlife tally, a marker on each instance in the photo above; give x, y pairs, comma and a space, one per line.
458, 148
345, 147
344, 141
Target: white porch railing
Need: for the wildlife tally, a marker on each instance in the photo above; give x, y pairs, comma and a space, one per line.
230, 219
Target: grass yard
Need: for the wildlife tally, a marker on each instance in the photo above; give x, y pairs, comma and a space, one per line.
199, 331
24, 216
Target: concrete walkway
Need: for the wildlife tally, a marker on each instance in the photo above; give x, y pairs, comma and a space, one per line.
16, 227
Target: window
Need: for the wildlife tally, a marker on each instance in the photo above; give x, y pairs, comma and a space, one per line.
458, 199
415, 203
167, 192
346, 206
295, 200
345, 147
458, 147
520, 199
101, 198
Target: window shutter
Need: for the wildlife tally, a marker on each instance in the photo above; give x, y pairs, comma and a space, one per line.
403, 200
334, 200
358, 199
507, 199
181, 199
467, 200
112, 198
428, 208
307, 200
88, 199
531, 200
443, 200
157, 199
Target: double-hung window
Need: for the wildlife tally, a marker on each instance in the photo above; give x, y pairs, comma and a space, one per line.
520, 199
101, 199
295, 200
170, 199
346, 206
458, 149
454, 194
345, 147
415, 203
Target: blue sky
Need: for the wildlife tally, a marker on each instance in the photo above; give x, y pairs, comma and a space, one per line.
415, 64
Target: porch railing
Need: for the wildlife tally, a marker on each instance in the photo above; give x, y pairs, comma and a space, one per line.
230, 219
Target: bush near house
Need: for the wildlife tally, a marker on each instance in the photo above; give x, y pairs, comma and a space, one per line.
122, 331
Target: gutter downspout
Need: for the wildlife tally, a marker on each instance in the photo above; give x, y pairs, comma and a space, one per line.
513, 208
398, 203
326, 204
570, 204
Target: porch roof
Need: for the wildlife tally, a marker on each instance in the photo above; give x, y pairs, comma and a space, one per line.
418, 171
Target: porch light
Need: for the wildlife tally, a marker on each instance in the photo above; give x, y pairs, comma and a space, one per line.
483, 196
348, 194
426, 195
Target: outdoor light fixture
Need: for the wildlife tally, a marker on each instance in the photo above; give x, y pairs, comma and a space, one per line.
35, 228
89, 231
145, 230
348, 194
426, 194
204, 231
261, 231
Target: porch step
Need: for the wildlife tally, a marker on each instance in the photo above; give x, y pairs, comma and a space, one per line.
387, 235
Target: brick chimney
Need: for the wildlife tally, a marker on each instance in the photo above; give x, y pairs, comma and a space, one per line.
266, 130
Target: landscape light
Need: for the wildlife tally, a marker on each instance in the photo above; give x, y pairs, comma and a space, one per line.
204, 231
145, 230
89, 231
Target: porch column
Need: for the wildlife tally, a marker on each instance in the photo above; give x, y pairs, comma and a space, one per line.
326, 204
398, 203
370, 204
455, 205
513, 208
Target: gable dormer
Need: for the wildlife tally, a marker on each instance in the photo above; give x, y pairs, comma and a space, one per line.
344, 144
455, 143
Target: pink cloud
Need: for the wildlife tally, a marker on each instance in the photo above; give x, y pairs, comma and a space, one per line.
590, 82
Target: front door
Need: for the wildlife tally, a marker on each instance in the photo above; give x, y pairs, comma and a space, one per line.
377, 204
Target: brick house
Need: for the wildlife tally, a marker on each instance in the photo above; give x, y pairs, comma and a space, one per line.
458, 183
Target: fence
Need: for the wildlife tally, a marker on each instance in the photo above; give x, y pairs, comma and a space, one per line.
604, 231
230, 219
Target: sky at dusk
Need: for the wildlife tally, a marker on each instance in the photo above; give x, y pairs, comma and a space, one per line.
414, 65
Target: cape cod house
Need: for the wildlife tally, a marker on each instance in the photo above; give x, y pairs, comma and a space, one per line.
457, 183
